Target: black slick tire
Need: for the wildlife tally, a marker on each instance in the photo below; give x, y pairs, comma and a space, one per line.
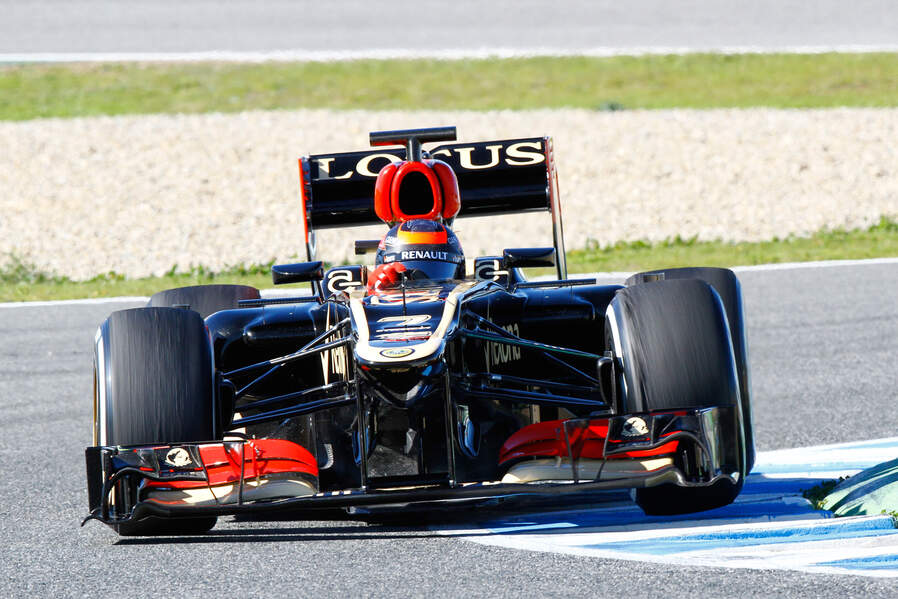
727, 286
155, 384
674, 345
205, 299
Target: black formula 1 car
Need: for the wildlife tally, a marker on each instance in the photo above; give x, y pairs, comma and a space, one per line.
421, 384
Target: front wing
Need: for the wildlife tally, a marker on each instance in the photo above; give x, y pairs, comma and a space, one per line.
124, 483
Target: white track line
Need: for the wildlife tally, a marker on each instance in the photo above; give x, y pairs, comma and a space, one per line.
818, 264
599, 275
770, 526
761, 267
300, 55
267, 293
75, 302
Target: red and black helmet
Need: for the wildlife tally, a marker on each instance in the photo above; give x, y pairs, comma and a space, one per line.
426, 248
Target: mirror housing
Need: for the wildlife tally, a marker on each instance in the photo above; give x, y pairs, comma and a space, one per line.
300, 272
528, 257
366, 246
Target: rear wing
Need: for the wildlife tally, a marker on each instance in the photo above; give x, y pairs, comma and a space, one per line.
494, 177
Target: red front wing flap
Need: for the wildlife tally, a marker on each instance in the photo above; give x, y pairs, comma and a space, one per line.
586, 449
199, 474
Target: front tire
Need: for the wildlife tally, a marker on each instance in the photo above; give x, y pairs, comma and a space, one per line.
672, 340
155, 384
205, 299
727, 286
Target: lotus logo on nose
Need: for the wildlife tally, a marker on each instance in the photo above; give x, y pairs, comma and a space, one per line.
178, 457
635, 427
396, 352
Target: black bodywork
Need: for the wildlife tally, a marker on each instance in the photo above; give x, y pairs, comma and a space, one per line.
486, 383
408, 397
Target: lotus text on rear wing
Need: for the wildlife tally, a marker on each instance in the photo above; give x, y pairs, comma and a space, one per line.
524, 153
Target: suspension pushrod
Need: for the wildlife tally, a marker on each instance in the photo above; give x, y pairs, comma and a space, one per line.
531, 344
517, 380
511, 339
300, 353
532, 397
291, 396
277, 367
241, 392
306, 408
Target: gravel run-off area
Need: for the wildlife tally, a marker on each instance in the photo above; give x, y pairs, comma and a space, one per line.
140, 194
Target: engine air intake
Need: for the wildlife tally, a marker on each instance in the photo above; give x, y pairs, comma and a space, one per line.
410, 190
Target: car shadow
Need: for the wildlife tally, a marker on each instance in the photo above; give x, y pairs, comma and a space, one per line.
291, 534
762, 500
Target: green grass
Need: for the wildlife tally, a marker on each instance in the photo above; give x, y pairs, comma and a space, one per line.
688, 81
817, 494
878, 241
20, 281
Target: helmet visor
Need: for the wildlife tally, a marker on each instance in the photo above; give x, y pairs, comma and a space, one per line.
434, 270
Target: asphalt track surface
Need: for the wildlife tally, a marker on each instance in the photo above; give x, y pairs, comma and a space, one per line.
173, 26
823, 343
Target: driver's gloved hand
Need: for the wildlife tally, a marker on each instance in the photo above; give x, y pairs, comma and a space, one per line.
385, 275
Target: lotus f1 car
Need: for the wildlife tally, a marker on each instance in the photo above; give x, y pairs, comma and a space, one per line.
427, 380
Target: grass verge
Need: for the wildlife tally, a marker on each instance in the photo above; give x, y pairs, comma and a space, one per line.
673, 81
878, 241
20, 281
818, 493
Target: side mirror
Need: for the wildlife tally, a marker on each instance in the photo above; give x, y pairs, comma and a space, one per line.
366, 246
297, 273
528, 257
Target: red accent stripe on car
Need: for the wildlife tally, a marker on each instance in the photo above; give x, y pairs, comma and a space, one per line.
547, 439
260, 457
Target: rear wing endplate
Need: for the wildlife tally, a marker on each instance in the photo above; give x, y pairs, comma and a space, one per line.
494, 177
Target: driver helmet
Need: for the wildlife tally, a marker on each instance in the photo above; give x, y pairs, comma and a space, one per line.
422, 249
